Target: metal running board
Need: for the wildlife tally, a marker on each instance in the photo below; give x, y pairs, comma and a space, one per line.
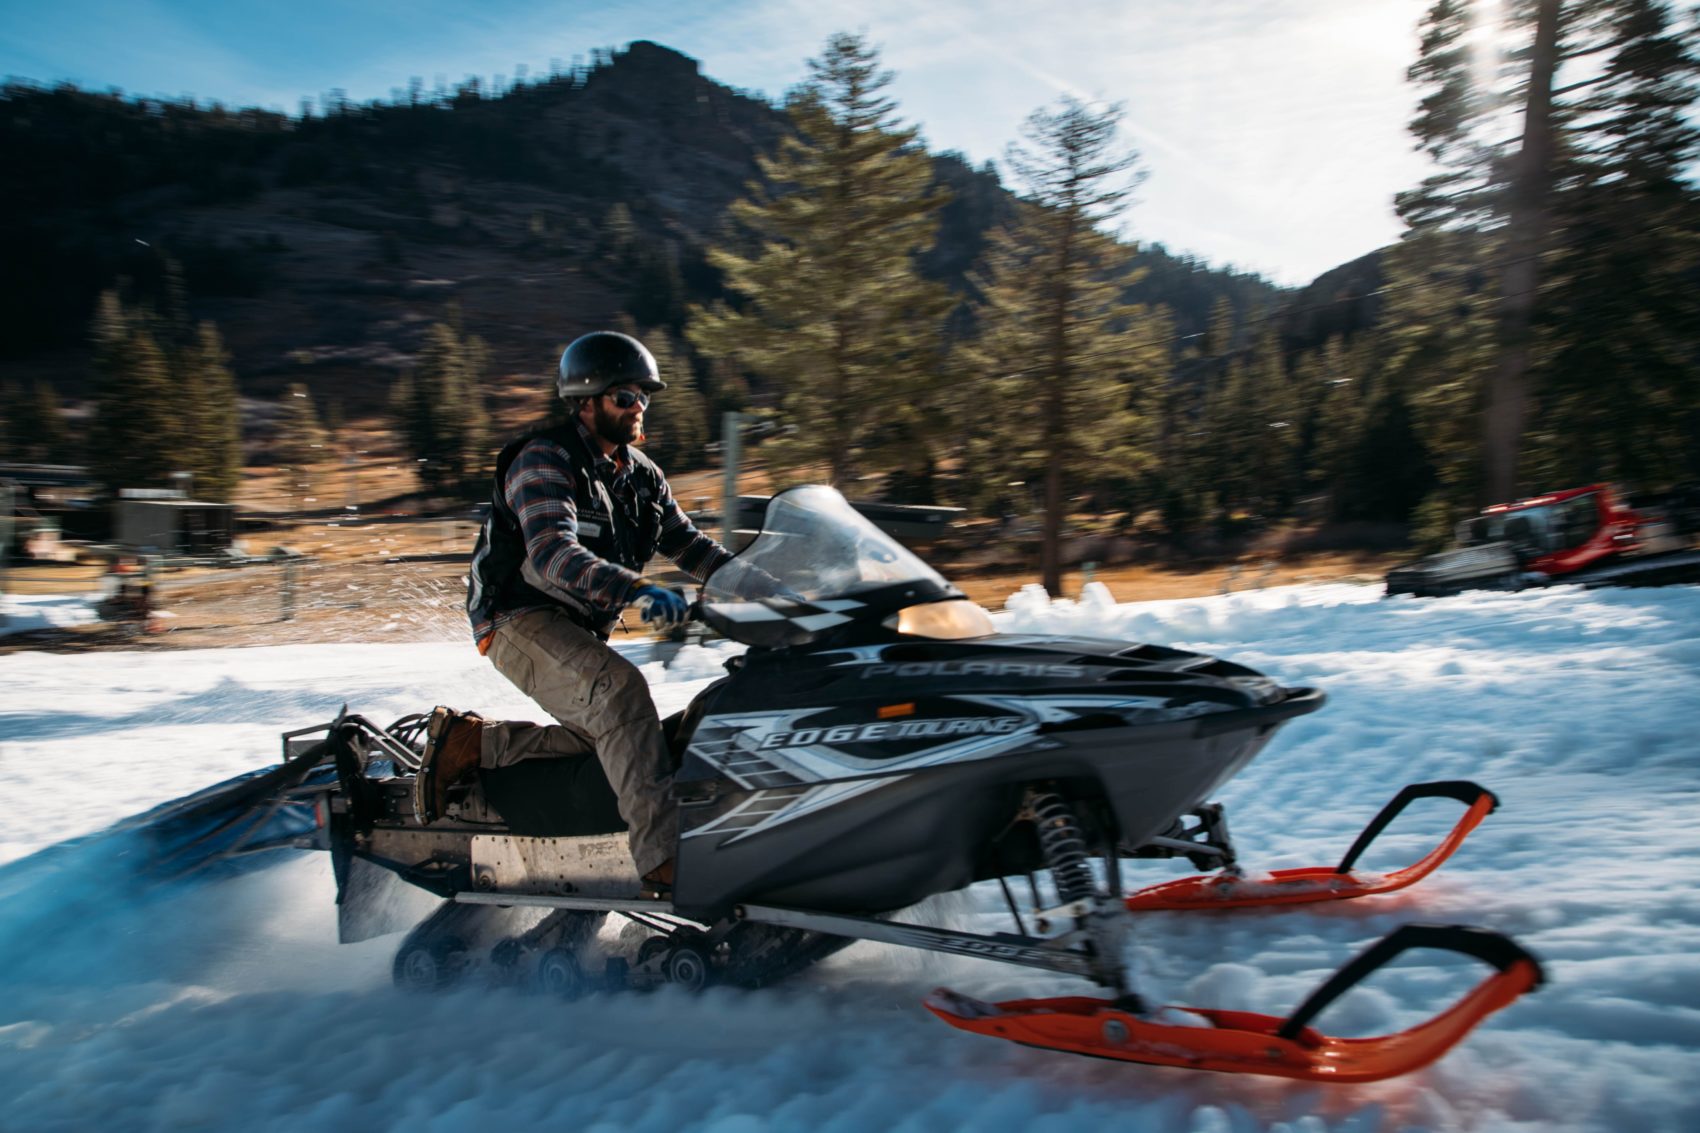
595, 865
553, 901
1004, 947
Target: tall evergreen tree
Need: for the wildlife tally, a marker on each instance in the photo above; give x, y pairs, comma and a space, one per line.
1551, 158
1252, 418
300, 438
832, 309
163, 403
1072, 364
1437, 337
1336, 385
137, 437
1181, 476
443, 415
213, 441
1495, 185
1623, 313
1185, 469
676, 423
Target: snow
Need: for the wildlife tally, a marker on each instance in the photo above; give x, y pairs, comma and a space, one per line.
21, 613
228, 1004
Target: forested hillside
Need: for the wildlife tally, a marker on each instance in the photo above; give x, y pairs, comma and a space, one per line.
325, 245
932, 330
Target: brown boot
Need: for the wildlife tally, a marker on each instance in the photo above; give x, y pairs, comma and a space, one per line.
453, 743
658, 882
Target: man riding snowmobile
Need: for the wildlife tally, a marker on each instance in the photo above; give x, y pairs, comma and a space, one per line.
575, 514
878, 742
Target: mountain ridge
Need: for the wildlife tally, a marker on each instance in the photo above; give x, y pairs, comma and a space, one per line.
325, 246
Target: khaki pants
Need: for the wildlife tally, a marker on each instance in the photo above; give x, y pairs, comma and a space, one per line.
603, 705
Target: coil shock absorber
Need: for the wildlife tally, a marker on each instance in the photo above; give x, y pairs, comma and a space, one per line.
1063, 845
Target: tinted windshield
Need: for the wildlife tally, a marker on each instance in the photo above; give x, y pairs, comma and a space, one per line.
1543, 527
814, 544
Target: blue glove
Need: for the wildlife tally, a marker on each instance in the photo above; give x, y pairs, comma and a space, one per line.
661, 607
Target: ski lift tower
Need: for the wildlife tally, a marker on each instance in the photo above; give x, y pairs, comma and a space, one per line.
731, 428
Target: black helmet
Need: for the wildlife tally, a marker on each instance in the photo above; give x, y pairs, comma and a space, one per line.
604, 359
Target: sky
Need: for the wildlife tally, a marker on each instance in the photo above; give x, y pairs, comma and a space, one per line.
1272, 131
228, 1004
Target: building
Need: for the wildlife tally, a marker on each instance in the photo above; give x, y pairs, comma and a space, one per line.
164, 521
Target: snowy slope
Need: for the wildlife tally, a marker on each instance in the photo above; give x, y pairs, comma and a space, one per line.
230, 1005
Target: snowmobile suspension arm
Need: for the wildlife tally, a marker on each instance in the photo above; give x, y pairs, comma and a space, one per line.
1002, 946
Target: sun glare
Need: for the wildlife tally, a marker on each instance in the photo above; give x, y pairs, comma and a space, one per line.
1489, 41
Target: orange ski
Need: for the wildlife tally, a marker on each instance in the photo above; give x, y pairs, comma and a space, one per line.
1324, 883
1244, 1042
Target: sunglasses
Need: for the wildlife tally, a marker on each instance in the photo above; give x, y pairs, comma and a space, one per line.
626, 398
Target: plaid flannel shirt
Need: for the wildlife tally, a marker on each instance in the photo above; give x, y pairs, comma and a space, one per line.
543, 493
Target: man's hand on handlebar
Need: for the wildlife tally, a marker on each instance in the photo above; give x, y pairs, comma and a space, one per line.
660, 606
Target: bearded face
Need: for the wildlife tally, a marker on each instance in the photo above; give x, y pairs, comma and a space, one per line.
612, 424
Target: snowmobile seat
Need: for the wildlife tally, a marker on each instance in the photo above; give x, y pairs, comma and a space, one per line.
570, 796
545, 798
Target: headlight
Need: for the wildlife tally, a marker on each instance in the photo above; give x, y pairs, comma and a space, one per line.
948, 620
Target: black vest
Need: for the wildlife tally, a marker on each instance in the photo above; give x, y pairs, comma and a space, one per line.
622, 531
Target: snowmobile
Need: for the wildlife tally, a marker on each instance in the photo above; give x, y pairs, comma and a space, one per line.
878, 743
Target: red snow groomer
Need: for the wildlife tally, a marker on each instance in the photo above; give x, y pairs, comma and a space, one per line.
1592, 536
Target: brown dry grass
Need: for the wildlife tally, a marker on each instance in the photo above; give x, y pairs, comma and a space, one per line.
351, 593
376, 570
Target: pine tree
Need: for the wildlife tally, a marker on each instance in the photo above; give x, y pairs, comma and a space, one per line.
137, 439
1623, 313
1490, 184
108, 334
656, 297
300, 439
676, 422
213, 451
1437, 338
1337, 385
832, 309
1391, 471
1185, 470
163, 403
1253, 422
1073, 365
617, 238
442, 411
1180, 477
1558, 163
